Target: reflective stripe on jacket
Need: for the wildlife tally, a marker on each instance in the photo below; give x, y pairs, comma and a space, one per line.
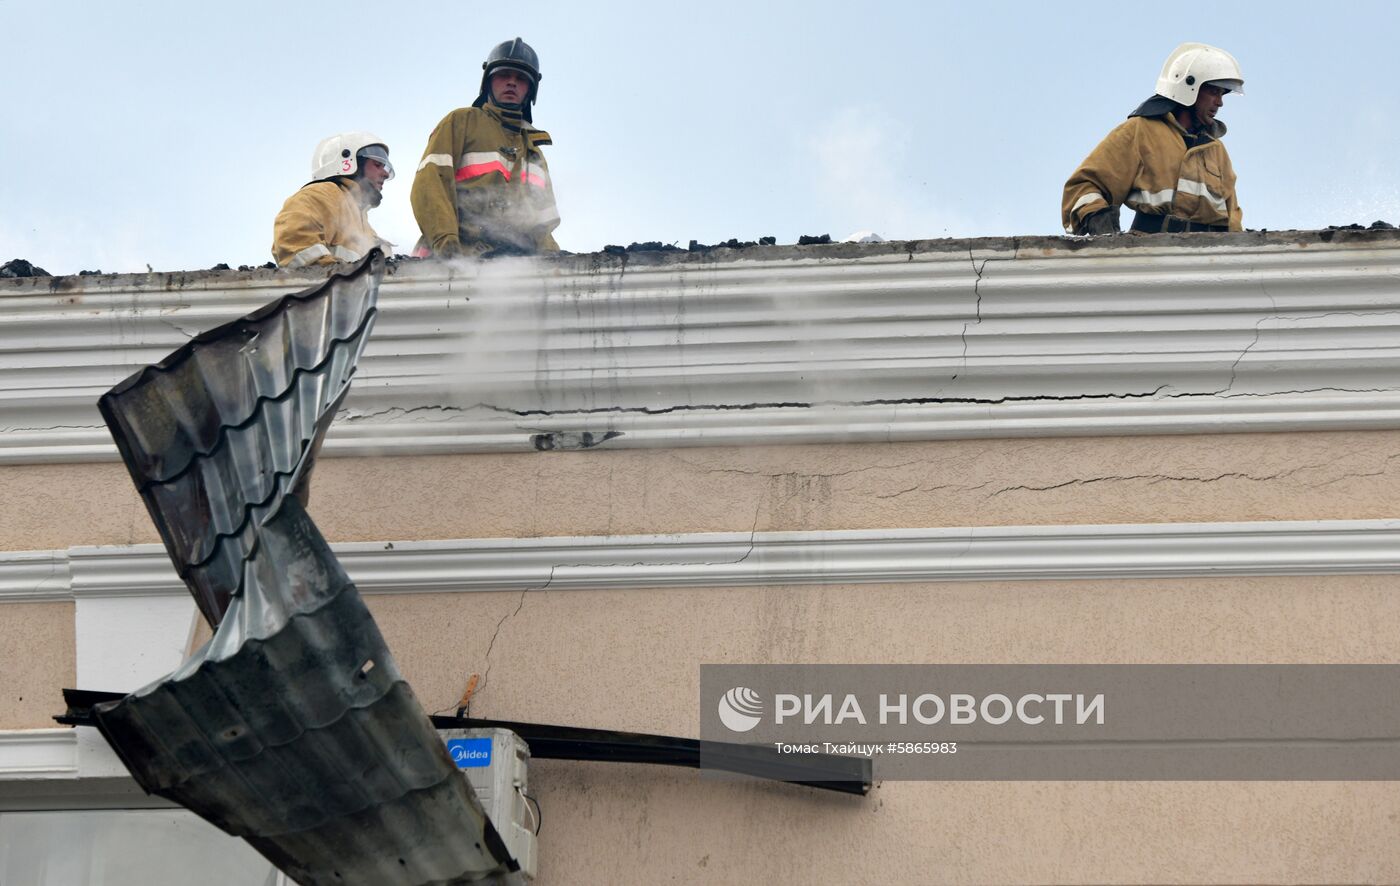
1144, 164
321, 224
484, 183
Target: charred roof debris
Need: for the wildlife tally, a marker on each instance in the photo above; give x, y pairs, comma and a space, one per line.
18, 267
861, 242
1377, 225
697, 246
694, 246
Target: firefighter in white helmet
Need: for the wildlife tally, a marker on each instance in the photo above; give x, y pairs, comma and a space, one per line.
327, 220
483, 187
1166, 162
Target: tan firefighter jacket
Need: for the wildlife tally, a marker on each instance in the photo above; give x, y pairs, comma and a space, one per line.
1145, 165
321, 224
484, 183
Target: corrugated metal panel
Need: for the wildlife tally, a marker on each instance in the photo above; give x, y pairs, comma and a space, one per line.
1008, 337
219, 431
292, 727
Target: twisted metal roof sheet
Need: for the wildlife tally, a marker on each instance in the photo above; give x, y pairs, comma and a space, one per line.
292, 727
215, 434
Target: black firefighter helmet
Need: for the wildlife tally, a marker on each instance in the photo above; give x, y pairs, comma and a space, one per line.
515, 55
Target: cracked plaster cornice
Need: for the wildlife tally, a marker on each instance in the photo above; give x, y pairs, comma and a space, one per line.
1032, 553
991, 338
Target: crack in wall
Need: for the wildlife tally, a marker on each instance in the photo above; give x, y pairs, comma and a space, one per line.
1159, 478
879, 401
58, 574
1339, 314
1159, 391
977, 294
1355, 475
1234, 367
778, 475
520, 604
187, 333
553, 569
53, 428
977, 283
753, 536
1258, 334
900, 492
1226, 396
398, 411
930, 489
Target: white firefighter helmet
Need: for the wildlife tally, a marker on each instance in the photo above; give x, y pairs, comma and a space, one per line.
1192, 64
340, 154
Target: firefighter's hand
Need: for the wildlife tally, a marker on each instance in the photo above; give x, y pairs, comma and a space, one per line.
1105, 221
448, 249
505, 250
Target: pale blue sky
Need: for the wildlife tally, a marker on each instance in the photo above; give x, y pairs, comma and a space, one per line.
169, 134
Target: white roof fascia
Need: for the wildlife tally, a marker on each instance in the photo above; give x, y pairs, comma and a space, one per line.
784, 345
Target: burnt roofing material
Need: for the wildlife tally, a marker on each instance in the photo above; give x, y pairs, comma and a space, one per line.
219, 431
18, 267
292, 727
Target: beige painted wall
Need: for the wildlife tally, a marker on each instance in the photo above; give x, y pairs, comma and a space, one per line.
609, 824
1204, 478
37, 660
629, 660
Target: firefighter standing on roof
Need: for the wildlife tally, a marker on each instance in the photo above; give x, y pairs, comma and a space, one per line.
1166, 161
327, 220
483, 187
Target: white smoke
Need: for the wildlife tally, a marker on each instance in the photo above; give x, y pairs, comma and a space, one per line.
519, 335
870, 178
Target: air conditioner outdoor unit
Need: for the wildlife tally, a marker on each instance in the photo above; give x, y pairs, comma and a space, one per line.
495, 763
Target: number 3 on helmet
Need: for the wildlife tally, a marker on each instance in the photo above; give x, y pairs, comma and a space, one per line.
340, 154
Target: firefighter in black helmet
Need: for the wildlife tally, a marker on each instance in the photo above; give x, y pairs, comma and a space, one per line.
512, 55
483, 187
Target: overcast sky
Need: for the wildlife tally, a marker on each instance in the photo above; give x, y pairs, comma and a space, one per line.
168, 134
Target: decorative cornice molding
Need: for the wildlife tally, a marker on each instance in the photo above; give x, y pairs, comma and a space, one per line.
38, 753
985, 338
63, 769
35, 576
1035, 553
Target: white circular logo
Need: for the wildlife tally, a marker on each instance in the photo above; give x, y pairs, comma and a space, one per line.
740, 709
